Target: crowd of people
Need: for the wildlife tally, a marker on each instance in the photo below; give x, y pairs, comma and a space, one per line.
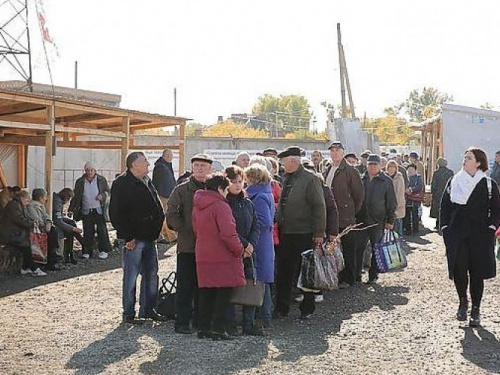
252, 221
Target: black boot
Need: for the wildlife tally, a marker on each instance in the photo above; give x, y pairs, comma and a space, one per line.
462, 310
475, 317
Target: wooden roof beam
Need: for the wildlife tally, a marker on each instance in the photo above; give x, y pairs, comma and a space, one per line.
17, 108
89, 131
82, 117
24, 125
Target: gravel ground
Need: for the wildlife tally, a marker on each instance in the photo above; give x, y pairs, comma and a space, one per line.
69, 323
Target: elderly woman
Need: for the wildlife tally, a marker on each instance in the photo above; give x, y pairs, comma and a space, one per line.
242, 159
37, 212
439, 179
66, 228
469, 216
259, 191
15, 227
219, 253
247, 227
399, 189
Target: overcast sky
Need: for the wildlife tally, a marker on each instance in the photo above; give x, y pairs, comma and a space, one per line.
222, 55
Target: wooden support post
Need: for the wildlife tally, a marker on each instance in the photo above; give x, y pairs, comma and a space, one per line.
49, 156
125, 142
349, 93
3, 177
182, 147
21, 165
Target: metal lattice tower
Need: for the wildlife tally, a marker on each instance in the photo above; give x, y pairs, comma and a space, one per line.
15, 52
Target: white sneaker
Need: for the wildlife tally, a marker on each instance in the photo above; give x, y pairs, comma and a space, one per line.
318, 298
86, 256
299, 298
27, 271
39, 272
103, 255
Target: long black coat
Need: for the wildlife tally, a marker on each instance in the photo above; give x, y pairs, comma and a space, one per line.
439, 180
472, 222
15, 224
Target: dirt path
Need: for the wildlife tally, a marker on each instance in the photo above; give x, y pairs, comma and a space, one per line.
69, 323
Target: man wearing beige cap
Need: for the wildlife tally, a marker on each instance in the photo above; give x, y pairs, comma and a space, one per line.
179, 210
88, 205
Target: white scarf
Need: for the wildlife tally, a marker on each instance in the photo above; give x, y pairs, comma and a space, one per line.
462, 185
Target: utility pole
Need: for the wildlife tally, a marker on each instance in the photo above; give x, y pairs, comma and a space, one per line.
344, 78
175, 101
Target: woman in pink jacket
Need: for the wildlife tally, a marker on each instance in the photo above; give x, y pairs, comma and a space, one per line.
219, 253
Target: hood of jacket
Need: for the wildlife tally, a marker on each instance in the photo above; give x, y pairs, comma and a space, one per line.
253, 190
205, 198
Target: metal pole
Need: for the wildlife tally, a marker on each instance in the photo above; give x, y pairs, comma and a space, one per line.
76, 79
30, 78
175, 101
341, 64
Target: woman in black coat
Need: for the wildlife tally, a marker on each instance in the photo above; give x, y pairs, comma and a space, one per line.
470, 214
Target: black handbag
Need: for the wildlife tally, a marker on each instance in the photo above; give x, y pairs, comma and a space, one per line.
252, 294
165, 304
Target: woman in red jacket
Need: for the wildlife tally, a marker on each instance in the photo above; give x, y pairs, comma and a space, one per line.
219, 253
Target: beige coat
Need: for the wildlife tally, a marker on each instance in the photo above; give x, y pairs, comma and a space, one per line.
399, 190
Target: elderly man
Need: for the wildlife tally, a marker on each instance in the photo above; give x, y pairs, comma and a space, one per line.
137, 215
91, 192
179, 210
345, 182
301, 217
495, 170
378, 211
164, 182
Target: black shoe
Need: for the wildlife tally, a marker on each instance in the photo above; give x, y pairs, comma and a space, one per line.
52, 267
185, 330
233, 331
205, 335
218, 336
475, 317
156, 317
254, 331
462, 310
304, 316
279, 314
372, 281
132, 320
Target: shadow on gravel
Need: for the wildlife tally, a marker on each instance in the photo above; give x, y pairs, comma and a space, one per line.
482, 348
289, 341
12, 284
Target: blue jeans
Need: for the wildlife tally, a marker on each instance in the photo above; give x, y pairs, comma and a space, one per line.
265, 312
142, 260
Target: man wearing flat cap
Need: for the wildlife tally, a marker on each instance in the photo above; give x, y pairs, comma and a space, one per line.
301, 218
179, 210
88, 205
420, 166
347, 189
378, 209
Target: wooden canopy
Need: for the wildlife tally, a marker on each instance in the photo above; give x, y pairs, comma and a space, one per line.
28, 119
432, 144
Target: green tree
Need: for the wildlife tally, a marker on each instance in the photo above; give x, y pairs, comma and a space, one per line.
423, 104
192, 127
390, 129
290, 112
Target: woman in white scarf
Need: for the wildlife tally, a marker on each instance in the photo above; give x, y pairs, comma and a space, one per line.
470, 214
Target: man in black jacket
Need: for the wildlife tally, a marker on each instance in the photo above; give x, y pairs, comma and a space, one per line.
137, 215
164, 182
378, 209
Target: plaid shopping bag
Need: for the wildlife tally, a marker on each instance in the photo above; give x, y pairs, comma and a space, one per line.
389, 253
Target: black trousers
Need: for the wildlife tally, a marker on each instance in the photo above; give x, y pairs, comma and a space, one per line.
186, 301
214, 303
373, 235
410, 221
463, 272
349, 251
90, 222
27, 258
288, 261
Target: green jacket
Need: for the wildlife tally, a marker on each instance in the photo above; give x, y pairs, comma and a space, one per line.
304, 210
179, 214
